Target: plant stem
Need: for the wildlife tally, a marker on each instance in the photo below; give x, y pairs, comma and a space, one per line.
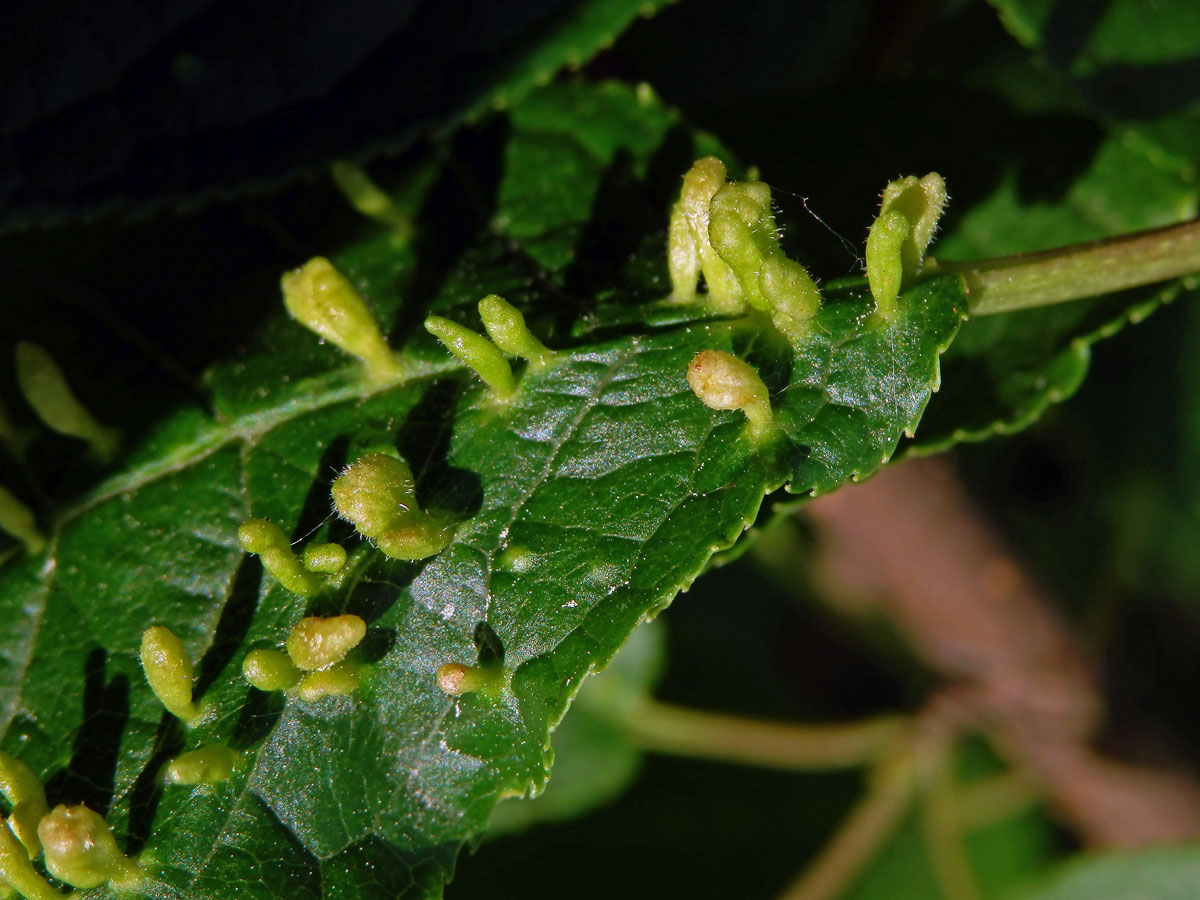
943, 828
859, 836
678, 731
1078, 271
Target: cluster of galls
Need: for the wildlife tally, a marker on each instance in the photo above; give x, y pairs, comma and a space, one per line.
726, 232
377, 492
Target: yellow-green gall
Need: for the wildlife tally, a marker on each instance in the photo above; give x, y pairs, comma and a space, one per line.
743, 232
270, 543
16, 869
417, 537
506, 327
722, 381
210, 764
169, 671
475, 351
80, 849
921, 201
885, 267
320, 298
327, 558
17, 519
45, 387
318, 643
377, 495
27, 797
332, 682
375, 492
270, 670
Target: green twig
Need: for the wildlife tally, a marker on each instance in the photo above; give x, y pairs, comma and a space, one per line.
860, 834
1029, 280
663, 728
942, 826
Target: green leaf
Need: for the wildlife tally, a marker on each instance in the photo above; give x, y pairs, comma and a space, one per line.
594, 760
1005, 371
1121, 36
1166, 873
587, 502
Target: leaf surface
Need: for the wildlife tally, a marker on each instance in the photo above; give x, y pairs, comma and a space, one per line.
587, 502
1161, 874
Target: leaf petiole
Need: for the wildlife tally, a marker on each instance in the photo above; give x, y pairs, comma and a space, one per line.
1078, 271
676, 730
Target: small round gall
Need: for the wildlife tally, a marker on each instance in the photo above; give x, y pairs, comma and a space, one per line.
327, 558
456, 679
80, 849
722, 381
270, 670
336, 681
210, 764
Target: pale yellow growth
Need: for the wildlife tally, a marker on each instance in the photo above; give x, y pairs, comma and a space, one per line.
318, 643
909, 211
377, 495
26, 796
683, 255
210, 764
328, 558
333, 682
46, 389
169, 671
456, 679
921, 201
743, 232
506, 327
81, 850
369, 199
475, 351
722, 381
270, 543
16, 869
270, 670
885, 267
690, 249
321, 298
17, 519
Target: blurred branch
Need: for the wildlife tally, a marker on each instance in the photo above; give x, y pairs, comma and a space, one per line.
909, 546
